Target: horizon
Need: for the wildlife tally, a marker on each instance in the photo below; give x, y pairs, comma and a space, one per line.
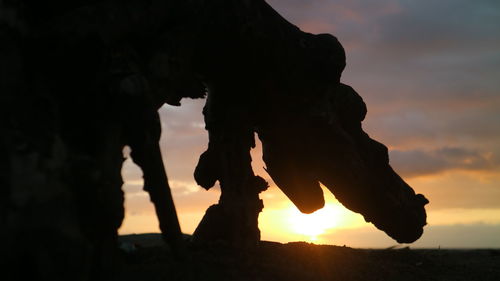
430, 81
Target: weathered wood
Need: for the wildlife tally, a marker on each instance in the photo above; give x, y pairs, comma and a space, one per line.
91, 76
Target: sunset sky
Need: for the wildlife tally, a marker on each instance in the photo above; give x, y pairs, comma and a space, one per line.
429, 72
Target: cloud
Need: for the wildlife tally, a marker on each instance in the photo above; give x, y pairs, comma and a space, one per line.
428, 52
183, 138
410, 126
459, 189
427, 70
443, 236
429, 26
420, 162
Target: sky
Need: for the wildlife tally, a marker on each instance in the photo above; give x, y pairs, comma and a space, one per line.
429, 72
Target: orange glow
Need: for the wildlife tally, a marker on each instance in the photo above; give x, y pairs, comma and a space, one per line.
283, 222
317, 223
280, 220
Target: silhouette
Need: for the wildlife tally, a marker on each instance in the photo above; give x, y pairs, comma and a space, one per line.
284, 84
82, 80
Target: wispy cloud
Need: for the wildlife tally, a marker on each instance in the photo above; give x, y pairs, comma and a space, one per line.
424, 162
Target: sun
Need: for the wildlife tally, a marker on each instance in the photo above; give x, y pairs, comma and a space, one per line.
315, 224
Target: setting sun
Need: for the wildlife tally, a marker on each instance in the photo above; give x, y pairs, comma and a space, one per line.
312, 225
283, 222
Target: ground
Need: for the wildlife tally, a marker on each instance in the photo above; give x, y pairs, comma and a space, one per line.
147, 258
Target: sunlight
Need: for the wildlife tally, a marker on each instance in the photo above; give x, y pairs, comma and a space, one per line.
281, 221
317, 223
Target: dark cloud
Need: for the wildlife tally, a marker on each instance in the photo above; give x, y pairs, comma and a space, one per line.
428, 70
424, 27
420, 126
420, 162
411, 27
428, 51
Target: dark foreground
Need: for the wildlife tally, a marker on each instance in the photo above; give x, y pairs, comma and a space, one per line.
148, 259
